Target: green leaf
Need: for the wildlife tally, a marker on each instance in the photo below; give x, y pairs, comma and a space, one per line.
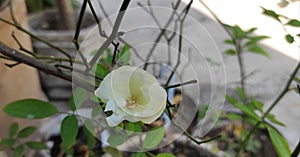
273, 119
244, 108
230, 52
96, 111
9, 142
241, 93
69, 130
116, 139
30, 109
124, 55
165, 155
251, 30
112, 151
77, 99
13, 129
258, 105
280, 144
294, 23
258, 50
18, 152
100, 70
229, 42
238, 32
153, 138
139, 154
271, 13
290, 39
233, 116
296, 79
36, 145
254, 40
26, 132
231, 99
133, 127
89, 132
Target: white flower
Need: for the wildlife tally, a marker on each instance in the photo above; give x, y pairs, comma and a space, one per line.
132, 94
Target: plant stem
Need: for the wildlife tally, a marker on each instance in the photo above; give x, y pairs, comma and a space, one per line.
280, 96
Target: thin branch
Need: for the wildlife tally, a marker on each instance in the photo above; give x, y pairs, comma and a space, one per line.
161, 34
12, 65
179, 41
181, 84
115, 54
76, 70
77, 32
22, 58
114, 34
37, 38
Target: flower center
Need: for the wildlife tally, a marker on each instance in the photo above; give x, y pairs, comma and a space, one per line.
131, 102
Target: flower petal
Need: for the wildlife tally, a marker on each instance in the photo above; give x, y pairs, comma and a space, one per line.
114, 119
104, 91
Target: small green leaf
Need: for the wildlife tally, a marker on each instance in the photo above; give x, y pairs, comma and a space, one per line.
153, 138
116, 139
238, 32
69, 130
100, 70
9, 142
247, 110
13, 129
19, 151
231, 99
290, 39
124, 55
36, 145
26, 132
258, 50
165, 155
139, 154
241, 93
294, 23
96, 111
229, 42
296, 79
280, 144
258, 105
230, 52
30, 109
254, 40
273, 119
233, 116
112, 151
133, 127
89, 132
271, 13
77, 99
251, 30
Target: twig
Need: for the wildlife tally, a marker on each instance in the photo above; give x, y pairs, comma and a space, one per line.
114, 34
161, 34
22, 58
37, 38
115, 54
77, 32
181, 20
76, 70
12, 65
181, 84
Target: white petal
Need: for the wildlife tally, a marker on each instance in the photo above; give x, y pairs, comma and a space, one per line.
114, 119
149, 120
110, 106
104, 91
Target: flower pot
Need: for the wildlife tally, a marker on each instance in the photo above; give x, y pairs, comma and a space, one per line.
57, 90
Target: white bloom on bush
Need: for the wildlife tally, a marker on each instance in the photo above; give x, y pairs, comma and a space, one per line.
132, 94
